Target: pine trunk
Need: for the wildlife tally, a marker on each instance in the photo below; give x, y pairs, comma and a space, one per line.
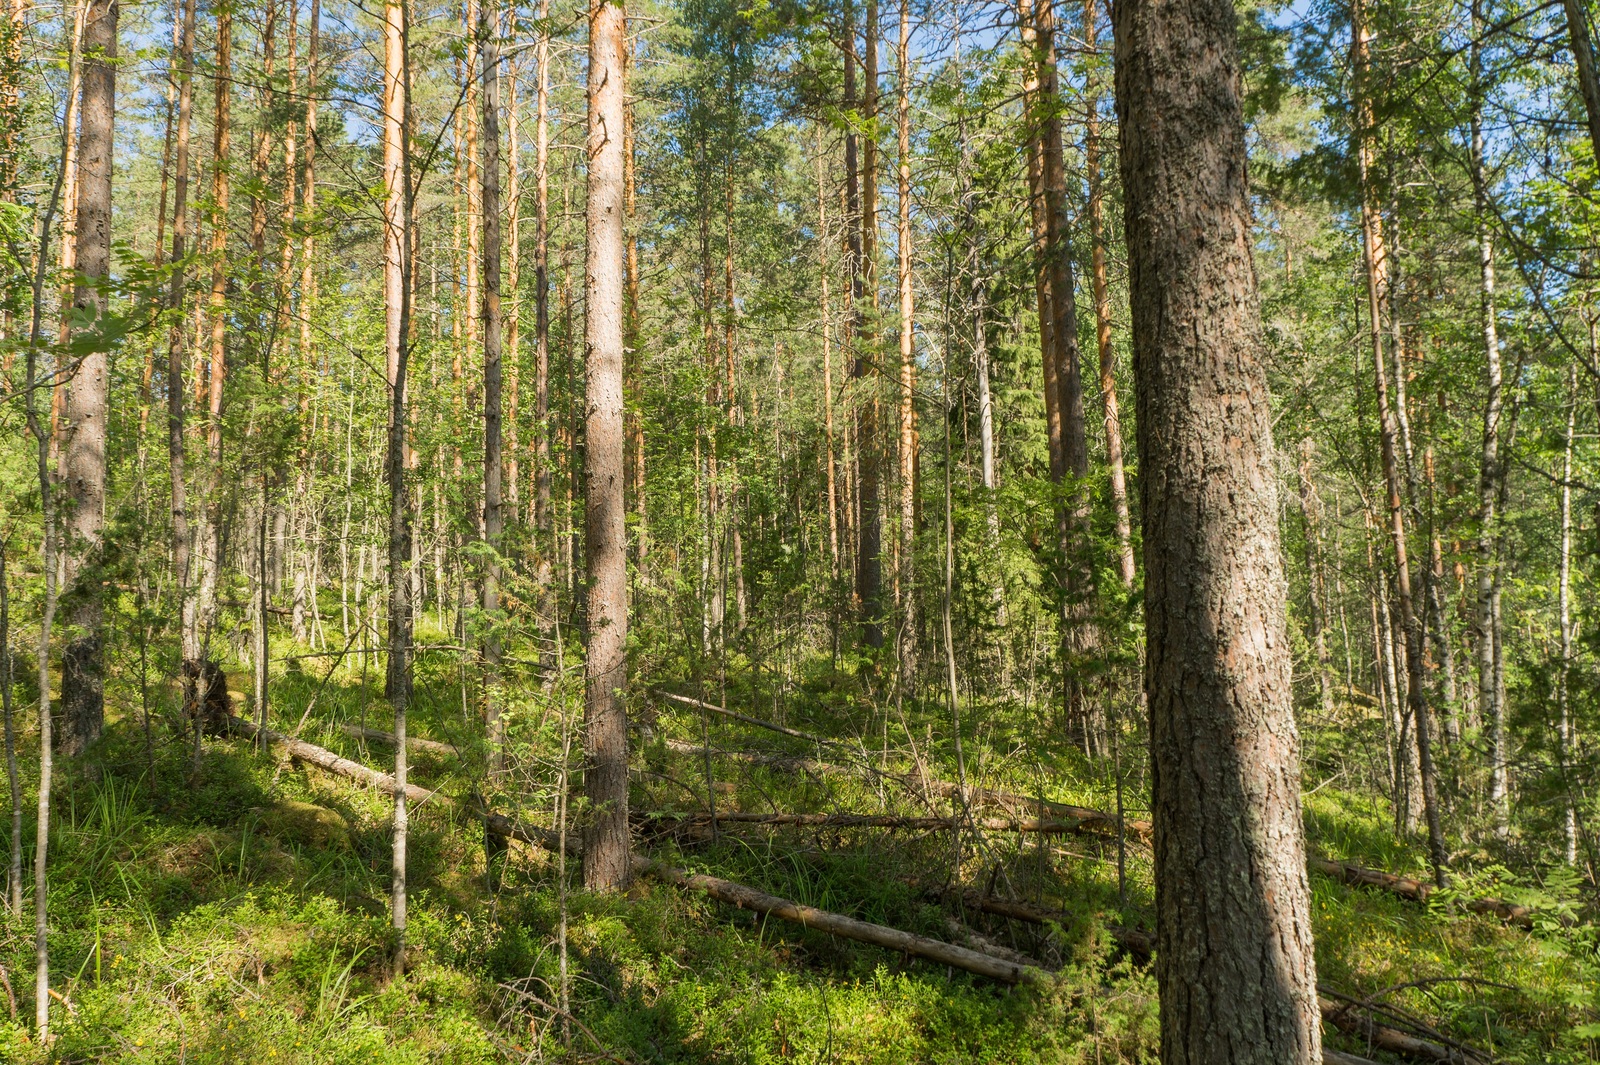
1234, 957
606, 837
84, 439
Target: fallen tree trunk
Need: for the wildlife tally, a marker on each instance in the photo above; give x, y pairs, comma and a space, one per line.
887, 821
1086, 820
1345, 1017
323, 758
374, 735
1418, 890
878, 935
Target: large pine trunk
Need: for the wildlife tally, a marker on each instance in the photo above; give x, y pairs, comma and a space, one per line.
84, 443
1234, 955
605, 841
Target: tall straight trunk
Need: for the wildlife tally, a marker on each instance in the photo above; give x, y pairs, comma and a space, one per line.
1408, 778
469, 119
397, 311
1234, 959
1078, 638
69, 203
1449, 715
864, 300
1378, 300
605, 780
47, 550
290, 147
1042, 277
175, 387
210, 531
735, 412
544, 528
13, 780
1491, 475
308, 191
1316, 587
633, 351
712, 587
1101, 290
827, 361
493, 520
84, 443
908, 365
15, 32
261, 155
513, 449
850, 205
1565, 731
1583, 59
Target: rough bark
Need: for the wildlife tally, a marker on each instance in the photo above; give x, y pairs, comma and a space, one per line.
1234, 962
545, 549
84, 409
605, 865
864, 300
488, 31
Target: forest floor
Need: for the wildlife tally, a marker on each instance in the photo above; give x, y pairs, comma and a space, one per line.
239, 912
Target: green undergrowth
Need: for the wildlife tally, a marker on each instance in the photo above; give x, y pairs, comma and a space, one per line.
235, 907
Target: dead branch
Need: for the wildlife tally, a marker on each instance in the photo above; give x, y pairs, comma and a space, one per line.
934, 950
885, 821
325, 759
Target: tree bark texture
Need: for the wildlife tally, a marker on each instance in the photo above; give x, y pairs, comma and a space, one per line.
605, 864
493, 517
84, 447
1234, 962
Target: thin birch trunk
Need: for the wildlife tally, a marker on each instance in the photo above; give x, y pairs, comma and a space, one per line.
1565, 730
1491, 476
397, 310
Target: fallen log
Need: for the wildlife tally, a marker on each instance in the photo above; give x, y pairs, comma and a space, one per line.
323, 758
886, 821
1345, 1017
375, 735
748, 898
1418, 890
989, 960
1088, 820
